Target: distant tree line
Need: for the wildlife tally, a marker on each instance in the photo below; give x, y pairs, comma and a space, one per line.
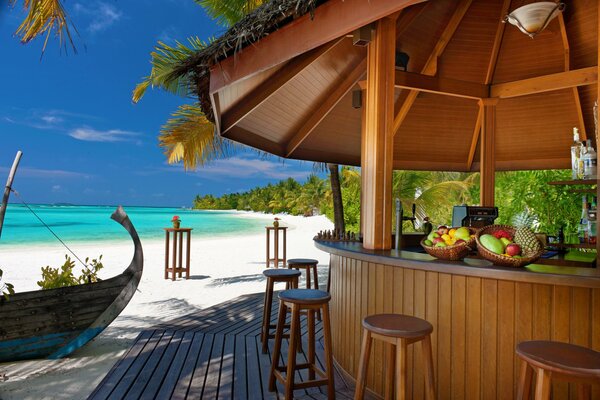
433, 193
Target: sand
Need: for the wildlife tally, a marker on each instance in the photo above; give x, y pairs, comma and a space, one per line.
221, 269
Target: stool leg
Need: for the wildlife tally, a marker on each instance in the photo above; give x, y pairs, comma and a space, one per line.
401, 369
308, 277
328, 353
267, 315
542, 385
291, 364
316, 278
428, 361
524, 390
390, 372
277, 349
363, 363
311, 343
584, 391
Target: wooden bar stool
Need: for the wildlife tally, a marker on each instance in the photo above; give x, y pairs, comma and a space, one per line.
309, 300
310, 266
556, 360
290, 277
399, 331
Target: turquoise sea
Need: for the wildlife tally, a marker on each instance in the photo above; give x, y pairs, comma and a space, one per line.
93, 223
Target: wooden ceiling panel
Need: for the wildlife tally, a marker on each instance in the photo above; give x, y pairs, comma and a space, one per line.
581, 17
418, 40
587, 96
229, 95
535, 127
521, 57
468, 54
438, 128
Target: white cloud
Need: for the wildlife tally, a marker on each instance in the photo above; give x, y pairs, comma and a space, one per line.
93, 135
56, 188
246, 167
51, 119
103, 15
29, 172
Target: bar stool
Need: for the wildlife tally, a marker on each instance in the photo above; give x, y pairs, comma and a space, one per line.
558, 360
290, 277
310, 266
399, 331
309, 300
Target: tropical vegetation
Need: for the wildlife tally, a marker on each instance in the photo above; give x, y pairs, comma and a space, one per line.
53, 278
433, 193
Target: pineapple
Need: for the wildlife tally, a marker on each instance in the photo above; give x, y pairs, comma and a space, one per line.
524, 236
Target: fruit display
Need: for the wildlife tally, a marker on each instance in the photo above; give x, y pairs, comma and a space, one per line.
449, 243
508, 246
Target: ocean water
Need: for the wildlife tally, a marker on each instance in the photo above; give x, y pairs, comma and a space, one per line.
93, 223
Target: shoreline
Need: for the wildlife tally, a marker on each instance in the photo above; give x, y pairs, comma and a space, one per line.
221, 269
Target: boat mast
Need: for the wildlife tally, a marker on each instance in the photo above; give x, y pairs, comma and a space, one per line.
8, 188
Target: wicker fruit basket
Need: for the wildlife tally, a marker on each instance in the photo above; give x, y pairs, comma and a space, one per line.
498, 259
454, 252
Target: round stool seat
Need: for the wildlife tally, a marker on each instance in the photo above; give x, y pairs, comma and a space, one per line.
564, 358
302, 261
397, 325
304, 296
281, 273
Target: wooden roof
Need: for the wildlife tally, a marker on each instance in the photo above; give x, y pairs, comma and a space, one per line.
290, 93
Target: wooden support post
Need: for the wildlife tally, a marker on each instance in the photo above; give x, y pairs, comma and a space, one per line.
378, 138
487, 147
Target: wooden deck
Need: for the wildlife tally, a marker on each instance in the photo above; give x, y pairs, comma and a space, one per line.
213, 354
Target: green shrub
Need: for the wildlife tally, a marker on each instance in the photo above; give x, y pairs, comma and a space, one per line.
60, 277
6, 289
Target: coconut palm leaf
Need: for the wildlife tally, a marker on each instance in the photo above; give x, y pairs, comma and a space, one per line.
190, 137
44, 17
228, 12
165, 60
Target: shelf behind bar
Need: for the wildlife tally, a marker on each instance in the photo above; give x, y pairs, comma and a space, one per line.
575, 182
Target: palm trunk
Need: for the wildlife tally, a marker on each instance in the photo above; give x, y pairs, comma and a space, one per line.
336, 191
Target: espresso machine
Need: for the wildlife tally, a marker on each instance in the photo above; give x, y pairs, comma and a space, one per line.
473, 216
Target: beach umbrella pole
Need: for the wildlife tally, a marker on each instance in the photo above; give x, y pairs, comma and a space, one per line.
8, 188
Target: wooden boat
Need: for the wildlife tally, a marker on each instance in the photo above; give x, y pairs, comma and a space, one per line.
53, 323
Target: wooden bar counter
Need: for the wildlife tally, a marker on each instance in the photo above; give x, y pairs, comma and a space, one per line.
479, 313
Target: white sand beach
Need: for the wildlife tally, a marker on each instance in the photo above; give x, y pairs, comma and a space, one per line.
221, 269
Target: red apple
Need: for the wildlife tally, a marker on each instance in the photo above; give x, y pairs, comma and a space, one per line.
459, 241
437, 240
442, 230
513, 249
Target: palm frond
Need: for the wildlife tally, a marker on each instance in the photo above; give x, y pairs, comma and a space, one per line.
228, 12
190, 137
165, 60
44, 17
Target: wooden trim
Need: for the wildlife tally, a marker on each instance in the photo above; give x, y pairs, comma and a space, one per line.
487, 151
265, 90
497, 43
326, 157
546, 83
341, 88
216, 105
427, 165
430, 67
331, 20
474, 139
248, 138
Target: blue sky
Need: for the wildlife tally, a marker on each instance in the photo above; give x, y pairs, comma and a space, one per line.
84, 141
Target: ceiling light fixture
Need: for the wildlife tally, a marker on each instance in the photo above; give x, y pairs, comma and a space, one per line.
533, 18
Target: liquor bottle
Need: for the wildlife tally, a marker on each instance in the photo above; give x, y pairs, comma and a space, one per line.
576, 155
590, 162
582, 232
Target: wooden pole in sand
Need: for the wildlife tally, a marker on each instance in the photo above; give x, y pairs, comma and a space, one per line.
8, 188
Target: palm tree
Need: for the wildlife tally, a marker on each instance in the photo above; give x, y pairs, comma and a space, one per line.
45, 17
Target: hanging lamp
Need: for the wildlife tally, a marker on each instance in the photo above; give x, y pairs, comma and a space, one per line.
533, 18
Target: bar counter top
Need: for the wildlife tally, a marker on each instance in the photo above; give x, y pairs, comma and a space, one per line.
475, 267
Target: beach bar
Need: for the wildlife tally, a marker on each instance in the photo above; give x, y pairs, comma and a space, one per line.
441, 85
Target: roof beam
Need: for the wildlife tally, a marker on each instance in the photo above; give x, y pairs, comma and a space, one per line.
430, 67
251, 139
331, 20
341, 88
260, 94
546, 83
488, 77
445, 86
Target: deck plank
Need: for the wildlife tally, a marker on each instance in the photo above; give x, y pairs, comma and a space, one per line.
215, 353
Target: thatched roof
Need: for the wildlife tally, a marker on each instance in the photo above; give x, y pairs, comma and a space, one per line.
266, 19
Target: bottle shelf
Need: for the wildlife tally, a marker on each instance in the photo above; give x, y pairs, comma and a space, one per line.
575, 182
572, 246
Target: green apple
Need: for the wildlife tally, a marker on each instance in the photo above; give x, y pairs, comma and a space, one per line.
432, 235
428, 242
440, 244
462, 233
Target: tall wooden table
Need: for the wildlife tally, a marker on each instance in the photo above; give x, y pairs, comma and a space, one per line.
176, 267
276, 260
